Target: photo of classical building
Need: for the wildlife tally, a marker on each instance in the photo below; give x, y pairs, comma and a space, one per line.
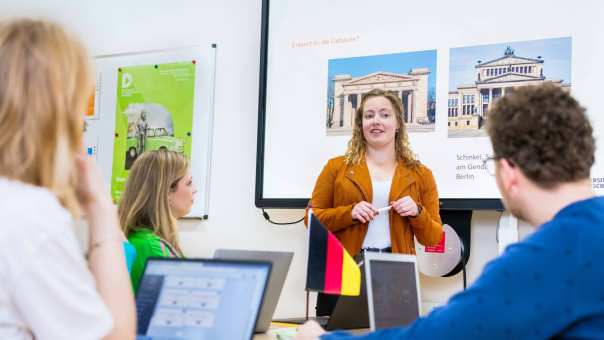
350, 78
468, 104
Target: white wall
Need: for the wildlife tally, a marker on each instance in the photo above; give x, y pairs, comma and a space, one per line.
113, 26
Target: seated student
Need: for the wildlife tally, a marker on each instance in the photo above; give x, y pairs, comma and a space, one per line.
551, 283
47, 289
159, 190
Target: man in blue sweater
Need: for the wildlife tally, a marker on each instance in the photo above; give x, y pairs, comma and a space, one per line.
552, 283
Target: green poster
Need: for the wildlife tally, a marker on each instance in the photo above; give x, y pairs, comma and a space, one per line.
154, 111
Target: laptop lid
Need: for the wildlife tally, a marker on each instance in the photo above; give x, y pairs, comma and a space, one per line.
281, 261
200, 299
393, 295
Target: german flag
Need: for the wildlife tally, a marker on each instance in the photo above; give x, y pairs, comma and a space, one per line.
331, 269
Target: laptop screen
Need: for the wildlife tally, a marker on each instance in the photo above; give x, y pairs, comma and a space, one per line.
280, 265
200, 299
394, 293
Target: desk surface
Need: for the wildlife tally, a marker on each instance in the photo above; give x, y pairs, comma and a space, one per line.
271, 335
265, 336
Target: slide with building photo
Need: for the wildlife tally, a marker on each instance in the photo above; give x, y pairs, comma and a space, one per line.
411, 75
478, 75
448, 64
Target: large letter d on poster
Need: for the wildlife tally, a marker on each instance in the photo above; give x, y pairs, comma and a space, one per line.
126, 80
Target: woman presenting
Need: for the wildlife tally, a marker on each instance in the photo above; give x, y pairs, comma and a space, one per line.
378, 171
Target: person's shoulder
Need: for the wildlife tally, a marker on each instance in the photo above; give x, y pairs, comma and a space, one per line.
23, 206
336, 163
145, 242
14, 193
339, 160
33, 223
575, 227
422, 171
582, 219
142, 235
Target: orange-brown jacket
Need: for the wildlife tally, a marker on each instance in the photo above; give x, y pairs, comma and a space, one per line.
341, 186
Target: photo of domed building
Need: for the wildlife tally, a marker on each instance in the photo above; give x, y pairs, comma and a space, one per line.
518, 64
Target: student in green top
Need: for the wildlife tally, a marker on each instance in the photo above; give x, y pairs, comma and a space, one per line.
159, 190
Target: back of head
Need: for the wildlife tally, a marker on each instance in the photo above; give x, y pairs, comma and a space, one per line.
144, 202
545, 132
44, 84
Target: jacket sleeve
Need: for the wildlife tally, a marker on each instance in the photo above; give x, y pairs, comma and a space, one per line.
427, 226
321, 202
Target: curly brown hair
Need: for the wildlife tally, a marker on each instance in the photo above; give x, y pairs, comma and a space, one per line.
357, 144
545, 132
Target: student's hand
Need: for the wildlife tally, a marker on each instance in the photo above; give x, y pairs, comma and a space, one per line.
364, 212
311, 330
96, 204
90, 189
405, 206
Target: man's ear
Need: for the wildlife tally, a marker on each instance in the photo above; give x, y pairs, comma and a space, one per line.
509, 175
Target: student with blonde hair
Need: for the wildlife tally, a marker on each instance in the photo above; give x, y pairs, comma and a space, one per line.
159, 191
48, 290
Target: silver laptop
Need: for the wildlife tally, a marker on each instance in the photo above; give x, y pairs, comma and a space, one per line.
280, 261
186, 299
393, 294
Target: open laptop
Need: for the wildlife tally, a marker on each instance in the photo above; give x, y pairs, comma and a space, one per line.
280, 261
393, 294
182, 299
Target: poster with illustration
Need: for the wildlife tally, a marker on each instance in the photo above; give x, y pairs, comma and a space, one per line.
154, 111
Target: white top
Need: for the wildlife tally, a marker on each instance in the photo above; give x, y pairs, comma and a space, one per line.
46, 289
378, 233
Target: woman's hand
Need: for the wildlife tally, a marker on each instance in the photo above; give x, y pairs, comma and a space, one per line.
311, 330
96, 202
405, 206
90, 189
364, 212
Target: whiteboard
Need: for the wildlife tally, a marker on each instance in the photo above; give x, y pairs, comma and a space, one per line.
99, 135
317, 53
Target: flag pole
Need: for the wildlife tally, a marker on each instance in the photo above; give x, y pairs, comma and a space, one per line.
307, 298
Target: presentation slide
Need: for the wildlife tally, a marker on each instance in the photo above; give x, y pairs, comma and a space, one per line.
448, 62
